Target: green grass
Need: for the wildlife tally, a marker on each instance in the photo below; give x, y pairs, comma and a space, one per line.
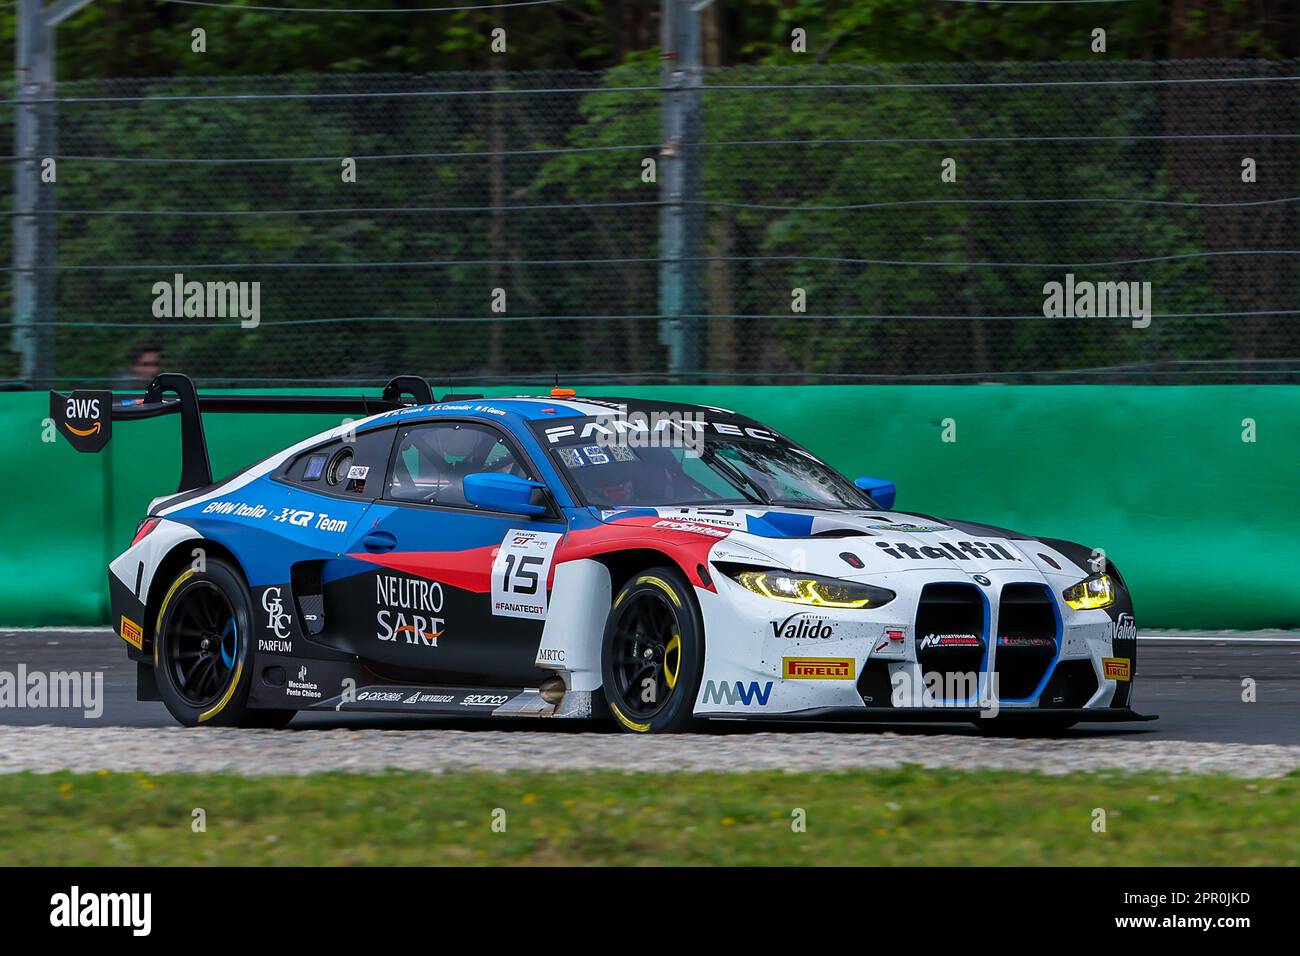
897, 817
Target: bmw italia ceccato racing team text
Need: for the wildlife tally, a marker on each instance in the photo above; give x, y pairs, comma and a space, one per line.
560, 556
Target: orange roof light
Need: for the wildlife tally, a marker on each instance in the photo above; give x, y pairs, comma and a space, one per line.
562, 393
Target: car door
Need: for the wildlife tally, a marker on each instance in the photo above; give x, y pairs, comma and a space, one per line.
437, 589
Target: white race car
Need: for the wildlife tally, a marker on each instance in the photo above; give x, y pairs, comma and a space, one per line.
570, 557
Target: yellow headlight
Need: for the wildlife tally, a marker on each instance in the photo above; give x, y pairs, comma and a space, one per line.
818, 592
1090, 594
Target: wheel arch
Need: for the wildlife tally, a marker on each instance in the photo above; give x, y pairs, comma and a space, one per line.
624, 563
171, 563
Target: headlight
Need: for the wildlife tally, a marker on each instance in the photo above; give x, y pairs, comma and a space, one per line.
797, 588
1090, 594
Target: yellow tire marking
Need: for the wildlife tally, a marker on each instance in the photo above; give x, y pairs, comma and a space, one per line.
671, 675
225, 698
660, 582
629, 724
157, 628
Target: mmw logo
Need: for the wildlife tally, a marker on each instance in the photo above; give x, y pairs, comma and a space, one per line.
737, 693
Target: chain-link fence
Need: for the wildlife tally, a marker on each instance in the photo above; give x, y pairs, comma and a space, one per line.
505, 227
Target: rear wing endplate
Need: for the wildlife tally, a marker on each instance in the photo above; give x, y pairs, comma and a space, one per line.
85, 416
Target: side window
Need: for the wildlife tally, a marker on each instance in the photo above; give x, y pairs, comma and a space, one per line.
346, 468
431, 461
695, 469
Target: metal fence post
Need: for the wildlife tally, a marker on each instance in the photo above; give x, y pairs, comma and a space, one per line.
33, 71
35, 131
680, 245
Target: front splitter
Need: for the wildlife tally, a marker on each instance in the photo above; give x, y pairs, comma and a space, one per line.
944, 715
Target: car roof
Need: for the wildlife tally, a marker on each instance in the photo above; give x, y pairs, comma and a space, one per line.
547, 408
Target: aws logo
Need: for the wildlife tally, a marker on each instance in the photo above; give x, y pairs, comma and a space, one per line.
84, 416
732, 693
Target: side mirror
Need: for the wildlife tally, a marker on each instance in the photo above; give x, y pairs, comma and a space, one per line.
500, 492
879, 490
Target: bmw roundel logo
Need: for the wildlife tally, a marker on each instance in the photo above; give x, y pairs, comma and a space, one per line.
981, 579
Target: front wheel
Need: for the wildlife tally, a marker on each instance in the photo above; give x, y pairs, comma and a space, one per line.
653, 653
202, 650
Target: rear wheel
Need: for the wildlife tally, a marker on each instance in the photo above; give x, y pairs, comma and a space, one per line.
653, 653
201, 650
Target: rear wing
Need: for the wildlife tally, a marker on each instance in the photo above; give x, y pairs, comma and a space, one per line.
85, 416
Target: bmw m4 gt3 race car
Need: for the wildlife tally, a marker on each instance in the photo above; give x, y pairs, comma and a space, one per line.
572, 557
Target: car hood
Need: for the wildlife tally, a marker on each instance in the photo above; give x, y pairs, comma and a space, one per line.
884, 541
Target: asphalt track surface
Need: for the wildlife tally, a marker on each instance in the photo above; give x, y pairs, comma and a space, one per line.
1193, 681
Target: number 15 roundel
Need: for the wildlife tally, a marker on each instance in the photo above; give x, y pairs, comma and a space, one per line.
519, 573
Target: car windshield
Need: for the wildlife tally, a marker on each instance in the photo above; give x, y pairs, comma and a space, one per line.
720, 471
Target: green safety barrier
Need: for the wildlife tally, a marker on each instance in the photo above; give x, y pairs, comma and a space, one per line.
1204, 525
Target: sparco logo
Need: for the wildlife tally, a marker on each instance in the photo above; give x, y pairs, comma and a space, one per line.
484, 700
799, 627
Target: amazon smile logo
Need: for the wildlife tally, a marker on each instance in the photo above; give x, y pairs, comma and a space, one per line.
85, 416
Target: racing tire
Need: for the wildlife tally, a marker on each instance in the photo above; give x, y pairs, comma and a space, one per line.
202, 650
652, 654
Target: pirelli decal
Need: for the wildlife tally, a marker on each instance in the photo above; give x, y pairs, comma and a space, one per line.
1117, 668
817, 668
131, 632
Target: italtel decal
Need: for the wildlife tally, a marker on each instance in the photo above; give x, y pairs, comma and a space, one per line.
397, 596
817, 668
961, 551
916, 528
1116, 668
800, 627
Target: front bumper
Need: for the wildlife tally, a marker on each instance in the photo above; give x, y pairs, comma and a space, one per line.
1027, 649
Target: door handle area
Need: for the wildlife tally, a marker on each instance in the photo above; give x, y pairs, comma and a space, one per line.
377, 542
